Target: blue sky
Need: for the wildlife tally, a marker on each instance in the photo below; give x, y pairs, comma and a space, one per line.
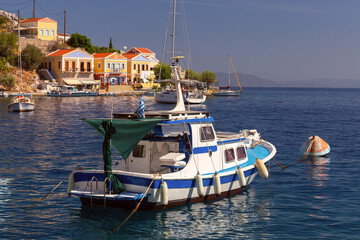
281, 40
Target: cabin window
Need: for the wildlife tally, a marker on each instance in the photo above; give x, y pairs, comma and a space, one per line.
229, 155
207, 133
241, 153
139, 151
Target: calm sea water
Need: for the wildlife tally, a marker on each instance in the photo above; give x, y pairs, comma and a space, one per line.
314, 199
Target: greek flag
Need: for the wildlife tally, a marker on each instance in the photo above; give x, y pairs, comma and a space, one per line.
140, 111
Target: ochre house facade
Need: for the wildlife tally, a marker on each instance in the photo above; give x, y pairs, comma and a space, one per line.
39, 28
71, 67
110, 69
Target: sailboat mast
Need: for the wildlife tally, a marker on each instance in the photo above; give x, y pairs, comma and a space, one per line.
229, 72
20, 49
173, 32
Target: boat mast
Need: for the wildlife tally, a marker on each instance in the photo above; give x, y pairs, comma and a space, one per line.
175, 71
20, 50
229, 72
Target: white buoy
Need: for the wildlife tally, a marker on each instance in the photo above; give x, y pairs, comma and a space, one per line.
164, 193
199, 185
217, 184
241, 176
71, 183
261, 168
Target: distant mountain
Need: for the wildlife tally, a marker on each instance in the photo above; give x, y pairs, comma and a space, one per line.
246, 80
323, 83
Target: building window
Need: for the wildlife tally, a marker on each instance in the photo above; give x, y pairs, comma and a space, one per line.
134, 66
41, 32
47, 32
99, 64
143, 67
102, 79
123, 66
229, 155
108, 65
52, 32
118, 67
147, 67
113, 67
59, 64
207, 133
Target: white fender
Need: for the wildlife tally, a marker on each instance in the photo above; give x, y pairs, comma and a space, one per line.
164, 193
71, 183
241, 176
199, 185
261, 168
217, 184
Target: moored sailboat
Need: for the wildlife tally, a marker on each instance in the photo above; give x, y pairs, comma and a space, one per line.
226, 91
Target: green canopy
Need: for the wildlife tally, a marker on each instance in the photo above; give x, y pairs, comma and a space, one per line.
128, 132
124, 135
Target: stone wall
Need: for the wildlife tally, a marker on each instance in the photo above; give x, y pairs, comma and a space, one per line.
44, 45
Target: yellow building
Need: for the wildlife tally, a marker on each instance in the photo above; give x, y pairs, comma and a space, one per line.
110, 69
71, 67
151, 56
39, 28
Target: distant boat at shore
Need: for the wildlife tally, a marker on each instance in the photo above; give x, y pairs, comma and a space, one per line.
226, 92
71, 91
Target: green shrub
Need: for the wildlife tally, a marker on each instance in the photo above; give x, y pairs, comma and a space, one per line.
7, 80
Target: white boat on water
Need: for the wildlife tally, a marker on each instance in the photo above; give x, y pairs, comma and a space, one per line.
194, 93
226, 91
169, 158
21, 104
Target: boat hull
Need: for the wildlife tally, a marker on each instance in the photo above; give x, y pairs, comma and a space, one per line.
181, 191
21, 107
76, 94
226, 94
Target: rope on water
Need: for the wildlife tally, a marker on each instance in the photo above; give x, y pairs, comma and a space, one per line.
47, 193
302, 158
137, 206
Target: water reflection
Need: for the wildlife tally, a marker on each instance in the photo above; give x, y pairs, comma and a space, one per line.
319, 170
227, 217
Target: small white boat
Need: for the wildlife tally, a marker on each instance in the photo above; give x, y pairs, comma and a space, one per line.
226, 92
21, 104
3, 94
169, 158
194, 93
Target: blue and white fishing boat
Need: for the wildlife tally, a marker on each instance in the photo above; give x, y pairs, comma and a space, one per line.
169, 158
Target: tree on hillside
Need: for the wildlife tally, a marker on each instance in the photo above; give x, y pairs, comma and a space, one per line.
77, 40
208, 77
110, 44
165, 71
191, 74
31, 57
8, 46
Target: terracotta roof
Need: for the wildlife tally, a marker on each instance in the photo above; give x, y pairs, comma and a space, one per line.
60, 52
101, 55
36, 19
131, 56
61, 34
143, 50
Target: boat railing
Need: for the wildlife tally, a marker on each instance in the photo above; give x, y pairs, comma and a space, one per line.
91, 192
106, 179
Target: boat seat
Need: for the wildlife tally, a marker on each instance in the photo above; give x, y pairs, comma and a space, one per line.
173, 160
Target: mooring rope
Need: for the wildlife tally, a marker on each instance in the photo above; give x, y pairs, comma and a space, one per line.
48, 193
302, 158
137, 206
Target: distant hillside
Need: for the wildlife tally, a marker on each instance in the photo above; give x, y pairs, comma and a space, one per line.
246, 80
323, 83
